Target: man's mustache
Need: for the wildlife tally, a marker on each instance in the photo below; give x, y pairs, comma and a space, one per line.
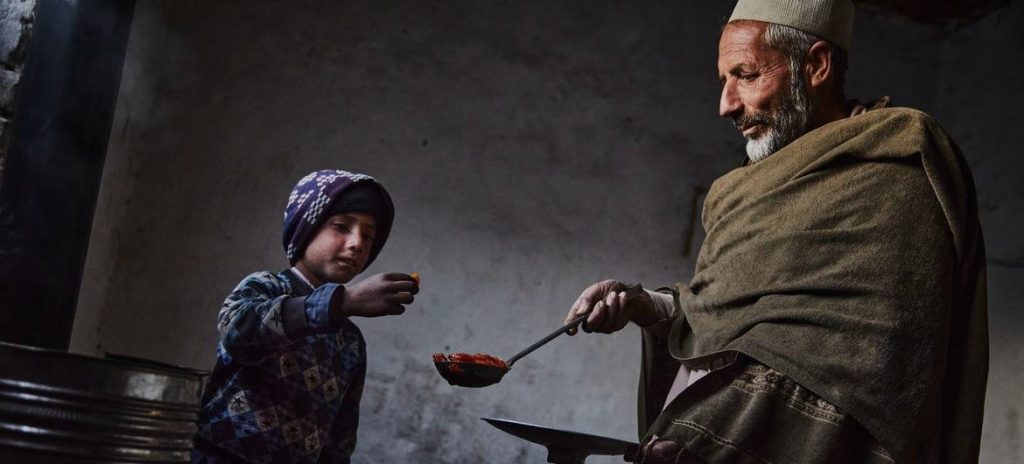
747, 120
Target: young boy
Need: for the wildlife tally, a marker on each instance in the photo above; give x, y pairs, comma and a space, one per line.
290, 363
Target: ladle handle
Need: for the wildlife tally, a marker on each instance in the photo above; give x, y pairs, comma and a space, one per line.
565, 328
631, 293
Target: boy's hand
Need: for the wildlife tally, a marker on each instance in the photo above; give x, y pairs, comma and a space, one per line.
377, 295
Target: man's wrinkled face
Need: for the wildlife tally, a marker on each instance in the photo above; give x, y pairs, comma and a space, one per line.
759, 93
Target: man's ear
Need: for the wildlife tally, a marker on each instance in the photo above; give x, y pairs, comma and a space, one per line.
818, 64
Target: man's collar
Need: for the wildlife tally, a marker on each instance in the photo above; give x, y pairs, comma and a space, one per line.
858, 108
861, 108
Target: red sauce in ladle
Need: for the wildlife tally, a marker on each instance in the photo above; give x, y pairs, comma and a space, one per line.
465, 358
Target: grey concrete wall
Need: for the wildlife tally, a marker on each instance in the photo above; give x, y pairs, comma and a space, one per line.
16, 18
530, 147
976, 97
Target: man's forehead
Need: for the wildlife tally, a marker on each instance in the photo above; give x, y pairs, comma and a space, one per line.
742, 36
742, 43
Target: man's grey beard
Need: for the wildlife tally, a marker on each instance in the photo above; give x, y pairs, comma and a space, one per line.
784, 125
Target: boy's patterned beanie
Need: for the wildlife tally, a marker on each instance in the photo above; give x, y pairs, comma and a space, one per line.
312, 200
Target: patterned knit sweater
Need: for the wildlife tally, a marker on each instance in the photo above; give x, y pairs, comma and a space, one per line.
287, 383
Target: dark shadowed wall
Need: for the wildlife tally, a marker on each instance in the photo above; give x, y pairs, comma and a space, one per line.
530, 147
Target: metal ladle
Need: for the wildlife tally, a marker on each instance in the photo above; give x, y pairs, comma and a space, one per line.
476, 375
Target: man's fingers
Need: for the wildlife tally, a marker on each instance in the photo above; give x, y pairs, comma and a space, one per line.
584, 307
574, 309
580, 308
570, 316
609, 311
585, 325
597, 301
611, 300
395, 310
611, 305
596, 318
613, 317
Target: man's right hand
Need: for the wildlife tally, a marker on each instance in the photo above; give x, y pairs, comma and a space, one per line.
608, 308
377, 295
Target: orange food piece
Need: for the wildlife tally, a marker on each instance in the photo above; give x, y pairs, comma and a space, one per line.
415, 277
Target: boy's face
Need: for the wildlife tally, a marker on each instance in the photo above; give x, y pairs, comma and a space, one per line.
339, 249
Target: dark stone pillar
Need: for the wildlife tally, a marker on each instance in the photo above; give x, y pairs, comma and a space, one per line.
54, 162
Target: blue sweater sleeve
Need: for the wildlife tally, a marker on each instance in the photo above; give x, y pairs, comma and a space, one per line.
259, 318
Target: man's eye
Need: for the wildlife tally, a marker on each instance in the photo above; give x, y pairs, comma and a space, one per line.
340, 227
748, 77
368, 237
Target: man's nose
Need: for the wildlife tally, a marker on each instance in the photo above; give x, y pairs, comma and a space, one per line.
730, 103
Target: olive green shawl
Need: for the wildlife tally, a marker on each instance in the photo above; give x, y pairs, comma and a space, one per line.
851, 261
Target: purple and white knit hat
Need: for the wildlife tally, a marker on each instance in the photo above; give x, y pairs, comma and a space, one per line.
312, 200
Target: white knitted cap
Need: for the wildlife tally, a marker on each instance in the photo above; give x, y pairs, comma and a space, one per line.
831, 20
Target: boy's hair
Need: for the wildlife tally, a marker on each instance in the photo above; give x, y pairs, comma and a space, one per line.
316, 197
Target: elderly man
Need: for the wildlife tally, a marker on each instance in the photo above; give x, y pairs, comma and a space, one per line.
837, 311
